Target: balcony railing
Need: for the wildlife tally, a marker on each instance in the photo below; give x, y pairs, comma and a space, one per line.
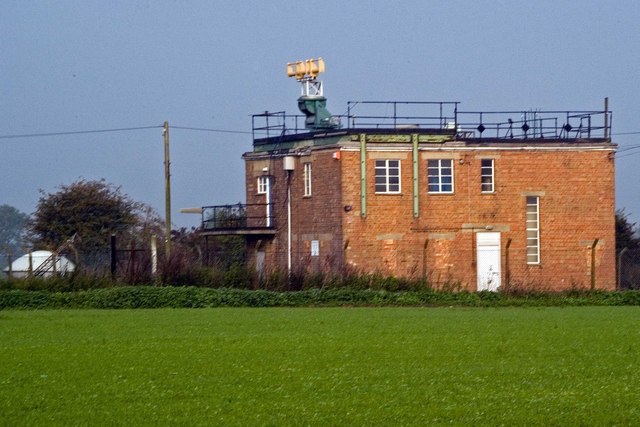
239, 217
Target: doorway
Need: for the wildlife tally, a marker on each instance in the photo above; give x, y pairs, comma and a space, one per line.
488, 261
260, 261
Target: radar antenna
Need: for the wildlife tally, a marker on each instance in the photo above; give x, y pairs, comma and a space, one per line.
312, 101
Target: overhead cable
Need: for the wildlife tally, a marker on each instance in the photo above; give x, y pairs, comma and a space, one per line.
77, 132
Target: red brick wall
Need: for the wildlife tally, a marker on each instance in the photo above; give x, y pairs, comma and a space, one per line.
576, 190
316, 217
382, 241
253, 169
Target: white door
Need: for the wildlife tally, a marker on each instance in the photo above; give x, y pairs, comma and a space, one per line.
488, 260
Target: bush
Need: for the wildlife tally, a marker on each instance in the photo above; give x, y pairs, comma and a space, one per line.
184, 284
197, 297
66, 283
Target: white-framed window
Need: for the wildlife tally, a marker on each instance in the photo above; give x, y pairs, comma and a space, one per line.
263, 185
307, 180
533, 230
440, 175
387, 176
263, 188
486, 176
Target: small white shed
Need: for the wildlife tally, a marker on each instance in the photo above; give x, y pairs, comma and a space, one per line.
20, 267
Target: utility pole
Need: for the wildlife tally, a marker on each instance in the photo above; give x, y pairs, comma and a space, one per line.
167, 186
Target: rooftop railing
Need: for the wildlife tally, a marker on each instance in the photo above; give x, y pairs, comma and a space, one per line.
445, 116
534, 124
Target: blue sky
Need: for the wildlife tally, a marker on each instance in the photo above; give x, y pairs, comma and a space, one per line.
90, 65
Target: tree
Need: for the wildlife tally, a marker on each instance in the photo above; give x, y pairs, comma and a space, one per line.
221, 251
626, 236
92, 211
12, 223
628, 251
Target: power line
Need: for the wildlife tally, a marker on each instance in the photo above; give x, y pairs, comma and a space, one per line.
627, 155
198, 129
211, 130
626, 133
77, 132
81, 132
628, 149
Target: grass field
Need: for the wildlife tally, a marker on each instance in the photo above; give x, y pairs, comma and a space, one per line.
321, 366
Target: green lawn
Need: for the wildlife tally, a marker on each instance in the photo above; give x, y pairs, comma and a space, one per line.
321, 366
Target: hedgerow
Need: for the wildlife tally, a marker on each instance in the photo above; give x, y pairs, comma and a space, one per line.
128, 297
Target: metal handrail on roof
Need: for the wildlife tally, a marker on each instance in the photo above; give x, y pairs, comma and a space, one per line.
515, 124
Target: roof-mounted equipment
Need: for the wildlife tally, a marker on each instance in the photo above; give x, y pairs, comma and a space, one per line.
312, 101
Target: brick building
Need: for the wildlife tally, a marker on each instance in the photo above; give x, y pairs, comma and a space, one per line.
481, 200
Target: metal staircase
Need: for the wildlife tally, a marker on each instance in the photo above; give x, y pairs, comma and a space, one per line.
49, 264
